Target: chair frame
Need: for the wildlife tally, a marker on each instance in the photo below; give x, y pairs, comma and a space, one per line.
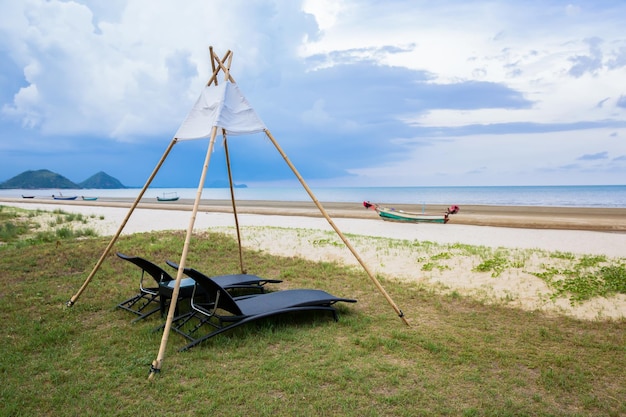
138, 304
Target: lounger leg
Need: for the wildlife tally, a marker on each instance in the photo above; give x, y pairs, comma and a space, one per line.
143, 316
142, 302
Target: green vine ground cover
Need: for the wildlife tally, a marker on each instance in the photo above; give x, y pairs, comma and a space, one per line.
575, 277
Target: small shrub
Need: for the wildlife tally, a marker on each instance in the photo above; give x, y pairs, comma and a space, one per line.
429, 266
497, 265
442, 255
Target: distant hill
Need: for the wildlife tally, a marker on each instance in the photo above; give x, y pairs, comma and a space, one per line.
41, 179
45, 179
101, 180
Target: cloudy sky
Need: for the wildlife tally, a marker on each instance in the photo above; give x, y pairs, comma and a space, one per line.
357, 93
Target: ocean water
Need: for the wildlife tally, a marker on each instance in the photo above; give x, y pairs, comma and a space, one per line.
558, 196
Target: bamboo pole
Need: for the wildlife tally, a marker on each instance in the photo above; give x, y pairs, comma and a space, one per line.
227, 72
232, 199
158, 362
227, 76
72, 300
221, 67
212, 64
341, 235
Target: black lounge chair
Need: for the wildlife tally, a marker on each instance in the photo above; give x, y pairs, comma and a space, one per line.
143, 304
226, 312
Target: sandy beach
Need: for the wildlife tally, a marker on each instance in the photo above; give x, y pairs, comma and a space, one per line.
277, 228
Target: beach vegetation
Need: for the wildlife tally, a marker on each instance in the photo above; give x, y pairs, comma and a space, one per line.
470, 250
590, 276
562, 255
323, 242
574, 277
496, 264
441, 255
11, 230
24, 227
590, 261
428, 266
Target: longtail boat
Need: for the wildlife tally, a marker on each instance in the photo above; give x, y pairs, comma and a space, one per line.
89, 198
168, 197
391, 214
62, 197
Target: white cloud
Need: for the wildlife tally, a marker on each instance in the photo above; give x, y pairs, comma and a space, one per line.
509, 159
112, 76
326, 12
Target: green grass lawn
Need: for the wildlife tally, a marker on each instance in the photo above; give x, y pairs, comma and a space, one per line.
460, 357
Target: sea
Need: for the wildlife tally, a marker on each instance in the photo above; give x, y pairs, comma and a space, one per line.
555, 196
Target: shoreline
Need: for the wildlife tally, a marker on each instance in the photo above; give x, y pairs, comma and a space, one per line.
525, 217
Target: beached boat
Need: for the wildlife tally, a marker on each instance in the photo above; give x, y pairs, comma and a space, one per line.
168, 197
391, 214
89, 198
28, 196
62, 197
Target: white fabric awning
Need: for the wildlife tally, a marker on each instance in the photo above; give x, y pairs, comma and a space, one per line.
223, 106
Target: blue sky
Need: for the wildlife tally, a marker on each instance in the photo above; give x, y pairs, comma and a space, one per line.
357, 93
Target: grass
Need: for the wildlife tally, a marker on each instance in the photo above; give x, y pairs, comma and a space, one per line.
460, 357
28, 227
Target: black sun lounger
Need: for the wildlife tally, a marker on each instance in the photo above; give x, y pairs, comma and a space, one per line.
226, 312
155, 296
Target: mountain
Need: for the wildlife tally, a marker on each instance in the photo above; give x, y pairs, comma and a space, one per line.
101, 180
45, 179
41, 179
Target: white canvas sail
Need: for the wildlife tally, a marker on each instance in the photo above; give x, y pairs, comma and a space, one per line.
221, 106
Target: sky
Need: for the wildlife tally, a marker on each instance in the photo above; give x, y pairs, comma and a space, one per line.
357, 93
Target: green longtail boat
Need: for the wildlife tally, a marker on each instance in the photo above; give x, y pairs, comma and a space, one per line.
391, 214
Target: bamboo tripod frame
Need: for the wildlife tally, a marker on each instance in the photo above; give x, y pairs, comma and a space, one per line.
217, 66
